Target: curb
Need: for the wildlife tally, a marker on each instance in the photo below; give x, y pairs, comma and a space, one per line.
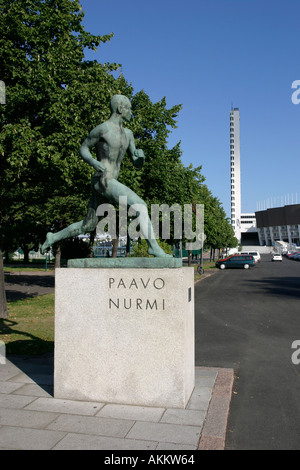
213, 434
205, 275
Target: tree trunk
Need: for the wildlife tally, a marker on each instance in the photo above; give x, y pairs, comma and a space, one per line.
128, 242
3, 304
115, 244
189, 258
26, 254
91, 244
5, 249
57, 256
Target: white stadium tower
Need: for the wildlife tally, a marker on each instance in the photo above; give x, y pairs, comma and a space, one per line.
241, 223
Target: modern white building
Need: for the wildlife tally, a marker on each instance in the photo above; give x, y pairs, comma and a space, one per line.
235, 171
248, 222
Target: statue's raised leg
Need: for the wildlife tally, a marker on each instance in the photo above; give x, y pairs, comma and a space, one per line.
114, 192
72, 231
78, 228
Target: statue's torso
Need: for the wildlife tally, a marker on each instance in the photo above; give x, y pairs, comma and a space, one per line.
111, 148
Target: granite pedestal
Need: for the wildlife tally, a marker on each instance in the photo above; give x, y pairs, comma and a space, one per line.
125, 335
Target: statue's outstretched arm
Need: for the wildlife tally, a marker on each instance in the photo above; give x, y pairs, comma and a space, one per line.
137, 155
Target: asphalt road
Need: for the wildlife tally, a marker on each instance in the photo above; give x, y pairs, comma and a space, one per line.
247, 320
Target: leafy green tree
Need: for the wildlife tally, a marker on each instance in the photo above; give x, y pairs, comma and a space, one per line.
217, 226
151, 127
140, 249
53, 98
163, 179
73, 248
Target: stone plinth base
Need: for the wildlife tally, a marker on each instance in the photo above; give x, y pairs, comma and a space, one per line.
125, 336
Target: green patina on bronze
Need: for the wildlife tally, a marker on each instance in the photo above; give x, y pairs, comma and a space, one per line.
111, 141
126, 263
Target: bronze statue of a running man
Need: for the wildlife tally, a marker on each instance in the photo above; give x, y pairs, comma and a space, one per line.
111, 142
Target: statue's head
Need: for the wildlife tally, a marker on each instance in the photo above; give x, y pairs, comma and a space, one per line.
120, 104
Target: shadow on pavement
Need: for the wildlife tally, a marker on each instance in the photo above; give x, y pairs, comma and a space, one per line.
39, 370
283, 286
23, 286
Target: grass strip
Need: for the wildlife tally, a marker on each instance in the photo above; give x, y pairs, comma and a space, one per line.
29, 330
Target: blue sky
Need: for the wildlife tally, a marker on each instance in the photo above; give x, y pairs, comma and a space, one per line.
209, 55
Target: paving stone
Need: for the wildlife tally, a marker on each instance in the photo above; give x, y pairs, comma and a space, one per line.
41, 379
85, 442
200, 398
30, 367
7, 371
170, 446
28, 439
204, 382
188, 417
136, 413
202, 372
9, 387
20, 377
91, 425
14, 401
162, 432
66, 406
33, 390
26, 418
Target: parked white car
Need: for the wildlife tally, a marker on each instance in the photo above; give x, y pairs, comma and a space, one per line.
255, 254
276, 257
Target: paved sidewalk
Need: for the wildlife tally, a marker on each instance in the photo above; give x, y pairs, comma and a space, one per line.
30, 418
